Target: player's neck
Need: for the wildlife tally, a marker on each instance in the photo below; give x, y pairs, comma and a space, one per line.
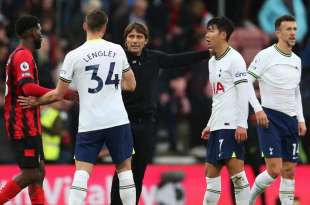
26, 45
94, 36
284, 47
219, 51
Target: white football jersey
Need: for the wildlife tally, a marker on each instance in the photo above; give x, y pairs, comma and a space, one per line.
225, 72
96, 69
279, 76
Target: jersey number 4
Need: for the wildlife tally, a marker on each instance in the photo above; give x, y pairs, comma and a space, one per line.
99, 80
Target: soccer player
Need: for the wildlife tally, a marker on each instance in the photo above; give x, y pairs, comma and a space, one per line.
23, 126
100, 71
226, 130
280, 115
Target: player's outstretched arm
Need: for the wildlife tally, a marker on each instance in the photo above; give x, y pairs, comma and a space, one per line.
52, 96
182, 59
128, 81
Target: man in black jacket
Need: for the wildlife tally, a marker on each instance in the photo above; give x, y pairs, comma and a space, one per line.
141, 104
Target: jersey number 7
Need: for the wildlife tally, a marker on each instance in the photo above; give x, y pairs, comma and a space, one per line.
99, 80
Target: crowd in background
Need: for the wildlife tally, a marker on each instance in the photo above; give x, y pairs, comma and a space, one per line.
175, 26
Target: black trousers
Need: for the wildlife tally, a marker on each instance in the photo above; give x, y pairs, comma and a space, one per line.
144, 138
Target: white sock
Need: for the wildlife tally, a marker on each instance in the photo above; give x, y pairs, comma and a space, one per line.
213, 191
127, 189
262, 181
78, 190
242, 188
286, 192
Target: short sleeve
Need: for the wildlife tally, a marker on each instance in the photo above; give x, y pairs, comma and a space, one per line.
239, 72
66, 72
258, 66
23, 64
125, 64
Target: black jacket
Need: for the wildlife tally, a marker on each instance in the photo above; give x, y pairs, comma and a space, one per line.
143, 101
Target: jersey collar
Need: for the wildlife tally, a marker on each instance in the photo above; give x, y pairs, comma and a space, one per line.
281, 52
95, 40
224, 54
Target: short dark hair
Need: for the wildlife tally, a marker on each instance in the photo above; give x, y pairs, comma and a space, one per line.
25, 23
282, 19
223, 24
96, 19
139, 27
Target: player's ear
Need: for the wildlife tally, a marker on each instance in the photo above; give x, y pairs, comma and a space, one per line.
28, 33
277, 32
223, 35
104, 29
84, 26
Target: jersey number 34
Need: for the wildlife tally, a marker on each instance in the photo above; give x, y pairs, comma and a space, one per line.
99, 80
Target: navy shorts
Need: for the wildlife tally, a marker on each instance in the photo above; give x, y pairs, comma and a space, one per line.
28, 151
118, 140
281, 138
222, 145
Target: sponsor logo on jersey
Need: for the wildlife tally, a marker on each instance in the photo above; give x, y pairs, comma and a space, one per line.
240, 74
26, 74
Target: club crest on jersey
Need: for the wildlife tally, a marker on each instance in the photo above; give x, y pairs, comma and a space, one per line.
24, 66
62, 72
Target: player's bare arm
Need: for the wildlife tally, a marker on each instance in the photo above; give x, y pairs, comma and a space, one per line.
128, 81
52, 96
302, 128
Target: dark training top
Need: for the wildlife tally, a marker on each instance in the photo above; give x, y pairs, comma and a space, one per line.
143, 101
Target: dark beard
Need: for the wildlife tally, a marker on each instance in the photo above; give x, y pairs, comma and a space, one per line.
37, 44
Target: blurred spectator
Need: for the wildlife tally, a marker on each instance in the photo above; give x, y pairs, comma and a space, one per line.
3, 35
200, 101
4, 52
57, 141
188, 18
174, 105
6, 154
272, 9
248, 39
305, 60
45, 65
126, 14
158, 26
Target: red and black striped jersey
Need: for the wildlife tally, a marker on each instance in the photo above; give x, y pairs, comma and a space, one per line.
20, 69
